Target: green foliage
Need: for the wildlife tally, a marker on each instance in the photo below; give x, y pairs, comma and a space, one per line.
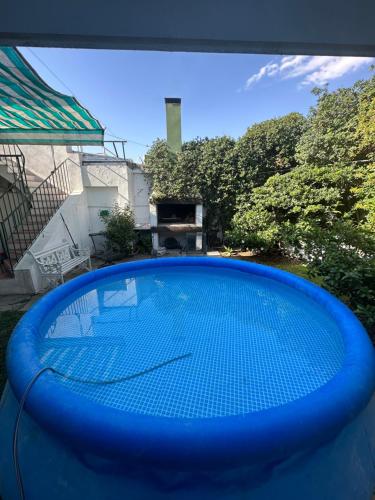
254, 230
119, 228
286, 205
365, 132
364, 209
340, 127
143, 242
344, 259
221, 171
218, 181
173, 176
190, 161
268, 147
330, 135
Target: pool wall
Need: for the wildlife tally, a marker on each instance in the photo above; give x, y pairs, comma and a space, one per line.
341, 469
319, 446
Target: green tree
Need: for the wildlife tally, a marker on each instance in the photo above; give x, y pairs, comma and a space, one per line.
268, 147
218, 181
364, 209
365, 132
190, 161
169, 180
340, 127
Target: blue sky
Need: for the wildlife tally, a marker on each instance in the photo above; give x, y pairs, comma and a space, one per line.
221, 93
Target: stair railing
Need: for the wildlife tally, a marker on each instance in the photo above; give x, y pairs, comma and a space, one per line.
22, 218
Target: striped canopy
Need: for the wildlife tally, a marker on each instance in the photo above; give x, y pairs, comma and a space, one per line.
31, 112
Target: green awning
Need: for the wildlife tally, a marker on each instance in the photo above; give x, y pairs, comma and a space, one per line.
31, 112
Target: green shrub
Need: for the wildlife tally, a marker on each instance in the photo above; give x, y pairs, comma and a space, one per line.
119, 228
288, 204
143, 242
344, 260
253, 230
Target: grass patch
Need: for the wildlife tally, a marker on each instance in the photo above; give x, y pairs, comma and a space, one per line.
283, 263
8, 320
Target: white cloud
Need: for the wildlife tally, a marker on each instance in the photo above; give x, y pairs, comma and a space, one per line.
269, 69
315, 70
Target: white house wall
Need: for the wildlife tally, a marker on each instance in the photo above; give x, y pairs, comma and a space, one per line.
141, 194
41, 160
116, 182
99, 199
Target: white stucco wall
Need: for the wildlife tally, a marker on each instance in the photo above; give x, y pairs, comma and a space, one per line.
41, 160
153, 215
98, 199
140, 197
105, 185
199, 215
116, 182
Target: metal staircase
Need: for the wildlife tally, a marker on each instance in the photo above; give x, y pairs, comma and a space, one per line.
27, 203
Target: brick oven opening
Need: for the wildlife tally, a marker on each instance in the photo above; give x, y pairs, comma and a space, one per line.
176, 213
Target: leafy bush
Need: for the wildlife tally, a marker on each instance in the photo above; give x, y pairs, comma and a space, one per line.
143, 242
119, 228
283, 208
252, 229
344, 259
364, 208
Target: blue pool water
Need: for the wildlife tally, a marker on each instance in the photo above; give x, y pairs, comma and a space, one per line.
242, 344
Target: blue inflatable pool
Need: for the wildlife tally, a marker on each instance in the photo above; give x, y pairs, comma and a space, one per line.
188, 378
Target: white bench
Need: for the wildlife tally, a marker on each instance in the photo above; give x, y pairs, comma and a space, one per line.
54, 263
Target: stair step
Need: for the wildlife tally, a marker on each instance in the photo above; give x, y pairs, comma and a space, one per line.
15, 257
47, 186
33, 184
24, 239
33, 177
17, 246
29, 173
34, 216
42, 200
38, 209
24, 233
28, 229
43, 205
45, 200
